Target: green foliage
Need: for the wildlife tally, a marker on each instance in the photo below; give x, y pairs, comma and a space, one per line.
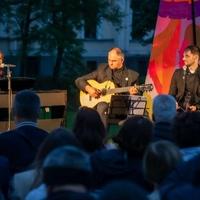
54, 24
144, 19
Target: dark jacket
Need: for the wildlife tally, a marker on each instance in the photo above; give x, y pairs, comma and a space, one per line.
69, 195
110, 165
104, 73
162, 131
183, 182
177, 86
20, 146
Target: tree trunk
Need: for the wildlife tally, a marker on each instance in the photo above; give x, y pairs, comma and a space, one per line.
57, 66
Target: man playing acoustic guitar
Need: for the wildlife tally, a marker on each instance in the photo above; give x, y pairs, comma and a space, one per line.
116, 73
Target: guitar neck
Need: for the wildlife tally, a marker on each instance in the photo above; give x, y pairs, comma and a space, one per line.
147, 87
118, 90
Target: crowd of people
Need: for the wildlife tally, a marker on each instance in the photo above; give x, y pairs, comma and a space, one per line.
155, 158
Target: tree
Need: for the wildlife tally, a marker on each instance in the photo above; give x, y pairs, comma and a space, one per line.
54, 24
144, 19
21, 19
65, 20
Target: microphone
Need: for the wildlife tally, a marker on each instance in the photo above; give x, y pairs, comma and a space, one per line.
2, 65
185, 71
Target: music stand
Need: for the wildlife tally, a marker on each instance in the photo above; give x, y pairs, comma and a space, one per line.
123, 106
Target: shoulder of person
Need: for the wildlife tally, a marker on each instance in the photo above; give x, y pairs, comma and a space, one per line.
198, 69
133, 72
102, 66
178, 71
8, 134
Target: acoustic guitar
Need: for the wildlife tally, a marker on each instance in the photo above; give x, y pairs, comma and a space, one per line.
106, 90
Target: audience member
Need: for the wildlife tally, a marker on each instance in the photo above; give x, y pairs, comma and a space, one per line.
66, 173
21, 144
184, 182
89, 129
57, 138
186, 128
126, 161
159, 160
125, 190
164, 111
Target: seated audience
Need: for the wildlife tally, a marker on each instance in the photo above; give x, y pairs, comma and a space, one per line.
159, 160
89, 129
185, 131
21, 144
184, 182
126, 161
125, 190
66, 173
57, 138
164, 111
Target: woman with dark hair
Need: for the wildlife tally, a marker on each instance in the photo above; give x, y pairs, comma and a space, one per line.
134, 136
89, 129
126, 161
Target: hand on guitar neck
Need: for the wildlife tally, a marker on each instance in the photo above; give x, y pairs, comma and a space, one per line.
93, 92
133, 90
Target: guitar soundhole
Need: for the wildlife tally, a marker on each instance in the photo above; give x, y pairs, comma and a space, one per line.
103, 92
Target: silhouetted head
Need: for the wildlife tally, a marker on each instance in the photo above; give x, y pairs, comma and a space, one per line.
26, 106
164, 108
89, 129
160, 159
135, 135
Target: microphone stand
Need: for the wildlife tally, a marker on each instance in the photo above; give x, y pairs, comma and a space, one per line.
9, 75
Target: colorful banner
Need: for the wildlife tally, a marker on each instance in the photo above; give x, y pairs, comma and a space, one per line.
174, 31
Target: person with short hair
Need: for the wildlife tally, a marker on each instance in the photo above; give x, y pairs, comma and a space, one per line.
114, 71
160, 159
66, 173
185, 82
21, 144
185, 131
164, 111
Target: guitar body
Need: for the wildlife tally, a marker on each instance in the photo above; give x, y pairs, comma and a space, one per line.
87, 100
106, 89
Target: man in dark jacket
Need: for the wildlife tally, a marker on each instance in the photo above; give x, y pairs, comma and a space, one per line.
21, 144
185, 83
114, 71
